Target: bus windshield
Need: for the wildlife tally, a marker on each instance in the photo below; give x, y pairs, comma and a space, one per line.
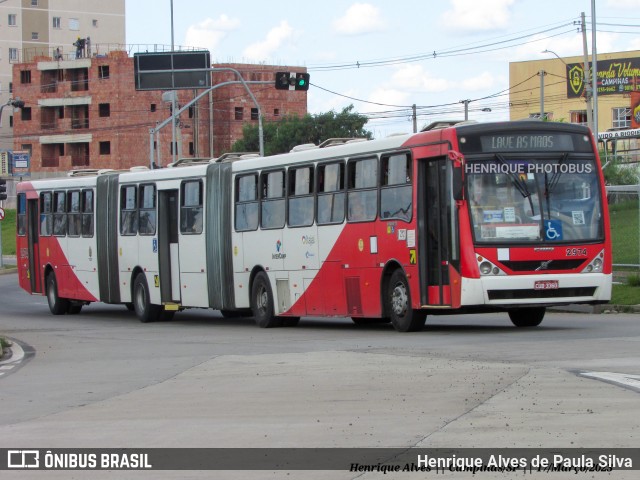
546, 200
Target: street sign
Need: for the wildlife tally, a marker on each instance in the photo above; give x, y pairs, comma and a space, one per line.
21, 163
1, 213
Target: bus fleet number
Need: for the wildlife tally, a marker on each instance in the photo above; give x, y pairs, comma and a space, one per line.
576, 252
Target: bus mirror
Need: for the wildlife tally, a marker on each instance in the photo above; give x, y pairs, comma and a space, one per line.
458, 191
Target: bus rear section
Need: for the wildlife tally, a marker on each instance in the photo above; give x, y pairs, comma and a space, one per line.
535, 230
56, 247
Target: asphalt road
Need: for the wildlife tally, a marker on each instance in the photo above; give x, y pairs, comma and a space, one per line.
102, 379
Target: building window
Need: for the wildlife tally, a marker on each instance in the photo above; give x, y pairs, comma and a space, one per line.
74, 24
10, 87
579, 116
25, 76
34, 35
12, 20
25, 114
56, 23
276, 112
13, 54
94, 22
254, 114
621, 117
192, 111
105, 148
104, 110
34, 3
103, 71
239, 113
191, 149
153, 107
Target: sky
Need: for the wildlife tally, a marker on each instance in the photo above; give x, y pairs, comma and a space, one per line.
384, 56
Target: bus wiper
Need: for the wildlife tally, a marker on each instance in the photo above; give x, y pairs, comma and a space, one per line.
556, 176
519, 184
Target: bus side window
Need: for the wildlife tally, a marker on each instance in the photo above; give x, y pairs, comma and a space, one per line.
362, 198
46, 214
128, 210
87, 213
147, 216
395, 191
75, 220
22, 214
246, 196
301, 204
272, 205
191, 207
59, 214
331, 194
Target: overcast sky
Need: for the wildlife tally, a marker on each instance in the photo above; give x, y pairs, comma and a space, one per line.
383, 56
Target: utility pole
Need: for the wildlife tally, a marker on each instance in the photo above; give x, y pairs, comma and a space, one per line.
415, 119
594, 68
542, 73
587, 76
466, 108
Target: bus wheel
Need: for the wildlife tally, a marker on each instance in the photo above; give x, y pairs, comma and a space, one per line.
145, 311
262, 302
74, 309
398, 305
527, 317
57, 305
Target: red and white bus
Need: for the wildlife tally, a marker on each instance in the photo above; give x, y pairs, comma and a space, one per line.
469, 218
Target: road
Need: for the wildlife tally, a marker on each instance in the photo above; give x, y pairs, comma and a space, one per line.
102, 379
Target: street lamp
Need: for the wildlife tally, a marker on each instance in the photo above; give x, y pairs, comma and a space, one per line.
15, 103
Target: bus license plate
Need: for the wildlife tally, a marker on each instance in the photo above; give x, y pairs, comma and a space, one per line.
545, 285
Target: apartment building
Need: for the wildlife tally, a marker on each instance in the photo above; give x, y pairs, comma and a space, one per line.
49, 28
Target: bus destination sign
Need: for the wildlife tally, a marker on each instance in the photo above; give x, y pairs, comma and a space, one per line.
526, 142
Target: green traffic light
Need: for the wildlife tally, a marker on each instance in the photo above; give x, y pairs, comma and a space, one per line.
301, 82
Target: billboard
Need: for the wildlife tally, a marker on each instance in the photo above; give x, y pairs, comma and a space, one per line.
172, 70
617, 76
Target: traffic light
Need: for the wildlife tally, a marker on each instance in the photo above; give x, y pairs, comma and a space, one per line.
3, 189
292, 81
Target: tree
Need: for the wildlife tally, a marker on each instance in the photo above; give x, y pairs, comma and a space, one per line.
281, 136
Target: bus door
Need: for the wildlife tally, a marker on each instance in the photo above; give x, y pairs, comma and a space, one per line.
168, 252
438, 234
33, 237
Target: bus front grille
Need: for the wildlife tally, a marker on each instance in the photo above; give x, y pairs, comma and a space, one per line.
529, 293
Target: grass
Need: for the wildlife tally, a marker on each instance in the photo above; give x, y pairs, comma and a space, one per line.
624, 232
9, 232
624, 294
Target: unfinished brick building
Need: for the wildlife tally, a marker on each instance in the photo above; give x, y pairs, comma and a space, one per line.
86, 113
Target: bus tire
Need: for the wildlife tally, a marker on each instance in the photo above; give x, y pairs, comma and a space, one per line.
398, 305
145, 311
262, 302
57, 305
527, 317
74, 309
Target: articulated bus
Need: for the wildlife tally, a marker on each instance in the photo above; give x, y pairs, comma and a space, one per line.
507, 217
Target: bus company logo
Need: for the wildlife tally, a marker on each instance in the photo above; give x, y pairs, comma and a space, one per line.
279, 255
23, 459
308, 240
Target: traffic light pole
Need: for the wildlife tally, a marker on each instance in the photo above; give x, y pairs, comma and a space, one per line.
175, 113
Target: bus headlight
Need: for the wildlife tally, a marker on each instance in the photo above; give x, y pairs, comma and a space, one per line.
485, 268
595, 266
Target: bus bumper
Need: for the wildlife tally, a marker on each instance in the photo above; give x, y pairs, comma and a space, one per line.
536, 289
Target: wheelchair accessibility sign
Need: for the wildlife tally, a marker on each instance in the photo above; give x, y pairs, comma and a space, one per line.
553, 229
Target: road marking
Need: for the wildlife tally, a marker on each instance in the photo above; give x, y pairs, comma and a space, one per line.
17, 356
627, 380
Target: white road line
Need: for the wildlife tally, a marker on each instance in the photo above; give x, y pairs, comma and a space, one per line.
625, 379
